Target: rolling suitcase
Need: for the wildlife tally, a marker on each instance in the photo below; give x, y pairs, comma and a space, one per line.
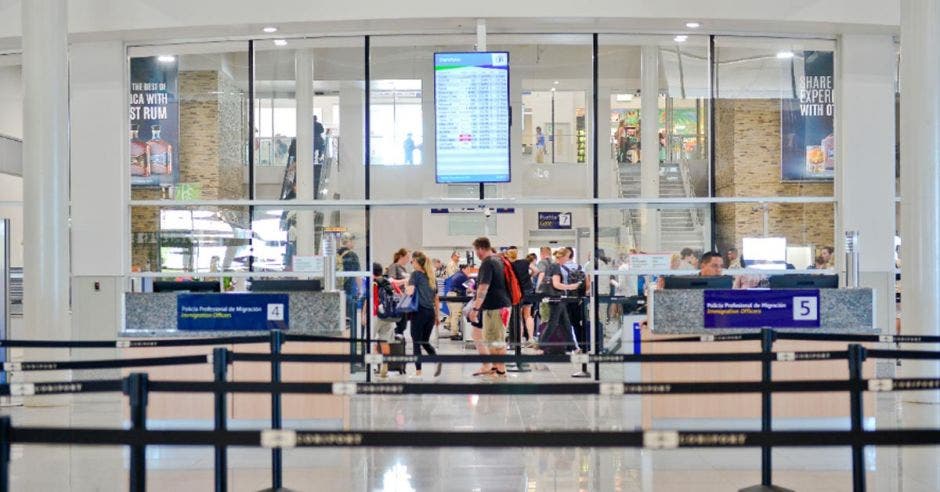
397, 348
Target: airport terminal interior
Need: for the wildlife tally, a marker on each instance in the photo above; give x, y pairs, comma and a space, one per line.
488, 246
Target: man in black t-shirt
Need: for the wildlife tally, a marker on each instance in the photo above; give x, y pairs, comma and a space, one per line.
492, 297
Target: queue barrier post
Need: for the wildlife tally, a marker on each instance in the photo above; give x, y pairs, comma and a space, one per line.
220, 372
276, 455
136, 389
5, 426
516, 327
583, 373
856, 359
768, 336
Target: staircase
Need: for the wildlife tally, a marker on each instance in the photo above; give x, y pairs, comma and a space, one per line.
678, 227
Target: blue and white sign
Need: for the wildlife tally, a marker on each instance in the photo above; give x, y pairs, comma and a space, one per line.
471, 108
232, 312
554, 220
785, 308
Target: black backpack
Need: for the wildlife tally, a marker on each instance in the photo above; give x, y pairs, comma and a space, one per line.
577, 276
388, 301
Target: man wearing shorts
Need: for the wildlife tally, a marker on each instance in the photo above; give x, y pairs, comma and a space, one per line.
492, 297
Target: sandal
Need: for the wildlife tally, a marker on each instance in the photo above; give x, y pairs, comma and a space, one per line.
484, 373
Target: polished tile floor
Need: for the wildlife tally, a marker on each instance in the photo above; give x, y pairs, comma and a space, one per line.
45, 468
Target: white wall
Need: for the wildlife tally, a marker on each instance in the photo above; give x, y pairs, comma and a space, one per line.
99, 187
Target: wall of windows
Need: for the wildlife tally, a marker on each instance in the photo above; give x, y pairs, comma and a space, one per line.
263, 122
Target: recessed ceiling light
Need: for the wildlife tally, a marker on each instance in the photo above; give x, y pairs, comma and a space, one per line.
680, 38
784, 54
693, 25
270, 29
166, 58
280, 42
556, 82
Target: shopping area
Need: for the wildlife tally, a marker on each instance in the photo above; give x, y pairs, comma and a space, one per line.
281, 161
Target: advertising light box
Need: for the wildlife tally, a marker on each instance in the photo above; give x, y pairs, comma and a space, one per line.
471, 106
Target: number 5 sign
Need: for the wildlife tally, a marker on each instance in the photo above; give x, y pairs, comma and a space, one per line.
805, 308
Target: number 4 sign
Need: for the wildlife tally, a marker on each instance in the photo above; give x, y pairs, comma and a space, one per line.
275, 312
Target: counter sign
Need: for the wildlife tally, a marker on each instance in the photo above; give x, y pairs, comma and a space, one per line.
784, 308
232, 312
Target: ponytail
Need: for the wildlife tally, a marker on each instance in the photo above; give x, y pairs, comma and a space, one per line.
426, 265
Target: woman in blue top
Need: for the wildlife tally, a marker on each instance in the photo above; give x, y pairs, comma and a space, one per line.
424, 287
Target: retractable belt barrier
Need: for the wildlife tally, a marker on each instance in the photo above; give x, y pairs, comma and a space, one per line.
173, 342
29, 366
661, 439
350, 389
813, 337
138, 386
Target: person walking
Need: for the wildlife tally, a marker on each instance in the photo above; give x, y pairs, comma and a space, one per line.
492, 297
559, 321
398, 276
574, 274
422, 285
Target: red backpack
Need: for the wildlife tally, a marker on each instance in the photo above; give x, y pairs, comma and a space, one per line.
512, 283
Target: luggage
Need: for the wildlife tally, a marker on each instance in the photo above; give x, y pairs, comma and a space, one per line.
555, 339
397, 348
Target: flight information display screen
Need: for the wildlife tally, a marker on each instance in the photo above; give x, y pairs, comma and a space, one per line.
471, 107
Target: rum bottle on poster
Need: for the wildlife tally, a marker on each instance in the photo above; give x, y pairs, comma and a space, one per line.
161, 153
140, 161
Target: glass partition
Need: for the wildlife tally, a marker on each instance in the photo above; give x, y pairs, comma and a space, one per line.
329, 74
188, 121
774, 117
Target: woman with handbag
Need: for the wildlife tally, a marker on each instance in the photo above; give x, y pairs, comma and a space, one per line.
422, 288
398, 276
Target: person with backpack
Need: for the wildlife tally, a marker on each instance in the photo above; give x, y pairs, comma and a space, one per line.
492, 296
384, 313
520, 266
558, 333
574, 274
454, 287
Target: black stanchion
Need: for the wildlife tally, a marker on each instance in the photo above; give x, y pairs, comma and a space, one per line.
276, 455
5, 453
220, 370
766, 417
583, 373
136, 391
856, 358
516, 328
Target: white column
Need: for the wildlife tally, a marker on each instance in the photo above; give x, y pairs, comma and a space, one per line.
303, 75
649, 144
920, 221
865, 191
865, 176
46, 169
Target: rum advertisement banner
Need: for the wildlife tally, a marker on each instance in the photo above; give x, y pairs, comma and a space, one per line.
154, 117
807, 147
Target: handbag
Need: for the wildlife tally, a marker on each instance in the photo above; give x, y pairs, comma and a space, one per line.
408, 303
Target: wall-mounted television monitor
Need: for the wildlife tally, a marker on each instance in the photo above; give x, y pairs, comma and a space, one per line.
697, 282
471, 117
766, 253
799, 281
187, 286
